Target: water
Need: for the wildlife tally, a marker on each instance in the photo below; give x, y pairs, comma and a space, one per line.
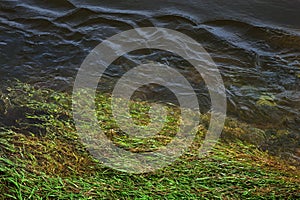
256, 46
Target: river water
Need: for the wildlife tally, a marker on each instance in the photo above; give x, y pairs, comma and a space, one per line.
255, 44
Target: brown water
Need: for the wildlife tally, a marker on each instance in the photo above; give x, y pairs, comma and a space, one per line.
255, 44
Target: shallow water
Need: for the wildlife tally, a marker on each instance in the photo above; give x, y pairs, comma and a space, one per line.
256, 46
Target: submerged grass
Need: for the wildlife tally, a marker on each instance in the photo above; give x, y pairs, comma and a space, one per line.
43, 158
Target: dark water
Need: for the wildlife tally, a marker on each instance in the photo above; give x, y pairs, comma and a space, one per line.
255, 44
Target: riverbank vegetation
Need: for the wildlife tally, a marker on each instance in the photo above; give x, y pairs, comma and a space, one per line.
42, 157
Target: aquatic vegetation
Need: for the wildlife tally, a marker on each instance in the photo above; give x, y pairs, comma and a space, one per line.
266, 100
41, 156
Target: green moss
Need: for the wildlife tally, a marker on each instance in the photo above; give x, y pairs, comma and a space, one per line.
43, 158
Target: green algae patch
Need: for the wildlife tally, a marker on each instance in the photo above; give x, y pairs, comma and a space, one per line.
42, 157
266, 100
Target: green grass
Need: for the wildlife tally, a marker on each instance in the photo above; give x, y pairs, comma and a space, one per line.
43, 158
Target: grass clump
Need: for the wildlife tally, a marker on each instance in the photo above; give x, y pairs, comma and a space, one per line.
43, 158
